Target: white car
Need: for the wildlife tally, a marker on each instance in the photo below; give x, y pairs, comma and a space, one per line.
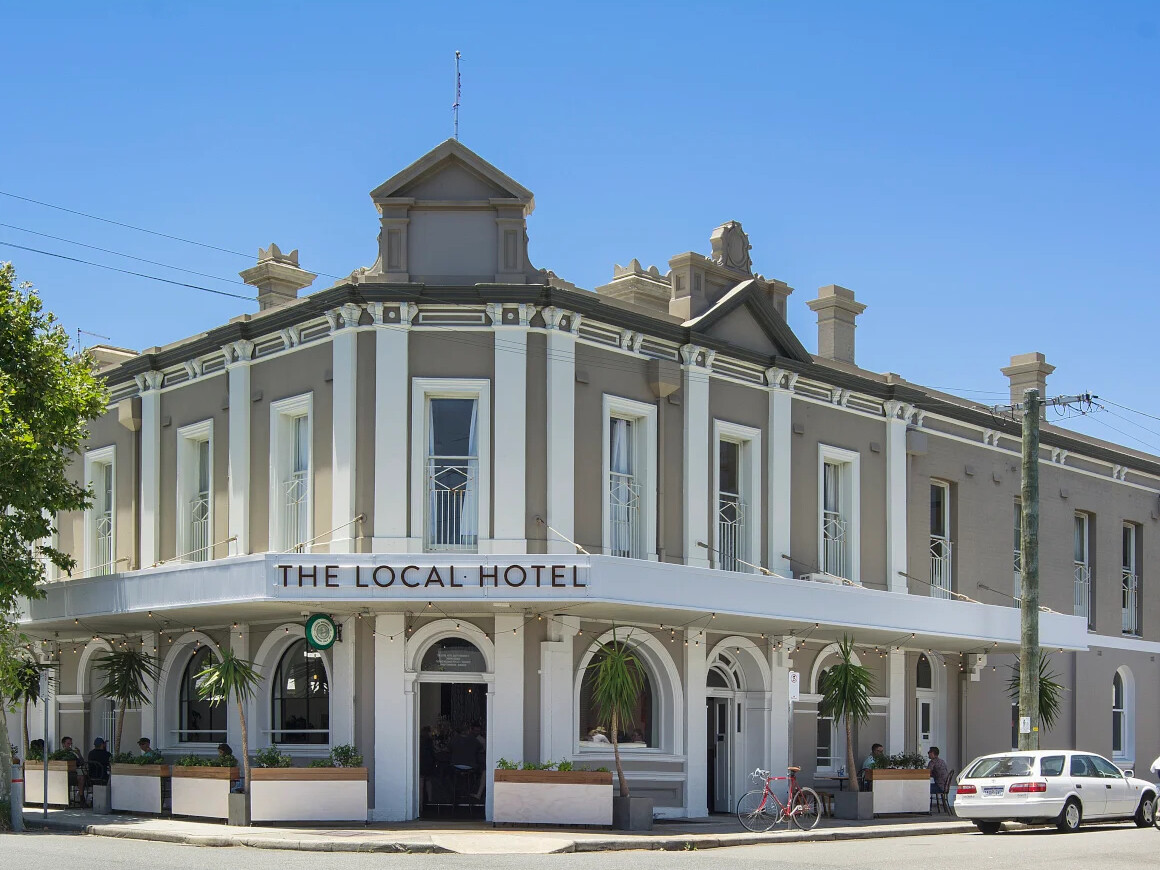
1061, 787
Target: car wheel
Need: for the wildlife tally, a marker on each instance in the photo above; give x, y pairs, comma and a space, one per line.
1155, 813
989, 827
1071, 816
1146, 812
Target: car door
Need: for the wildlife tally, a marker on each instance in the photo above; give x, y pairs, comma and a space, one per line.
1122, 797
1089, 785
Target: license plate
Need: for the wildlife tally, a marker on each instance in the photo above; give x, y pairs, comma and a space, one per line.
992, 790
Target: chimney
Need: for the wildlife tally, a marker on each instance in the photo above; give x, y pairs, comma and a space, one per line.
1028, 371
277, 277
836, 311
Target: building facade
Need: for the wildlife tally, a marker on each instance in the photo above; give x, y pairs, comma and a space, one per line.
481, 472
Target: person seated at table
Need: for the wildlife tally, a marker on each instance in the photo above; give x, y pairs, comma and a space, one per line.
939, 774
877, 753
597, 735
99, 758
145, 745
77, 777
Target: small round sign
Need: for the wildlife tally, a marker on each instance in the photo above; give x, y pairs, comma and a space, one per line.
320, 631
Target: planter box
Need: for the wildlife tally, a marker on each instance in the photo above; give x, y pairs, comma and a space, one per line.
203, 791
550, 797
137, 788
901, 791
308, 794
58, 776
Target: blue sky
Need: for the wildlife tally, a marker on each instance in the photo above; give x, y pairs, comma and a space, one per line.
984, 176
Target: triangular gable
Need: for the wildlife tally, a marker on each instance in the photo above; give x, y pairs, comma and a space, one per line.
452, 171
744, 317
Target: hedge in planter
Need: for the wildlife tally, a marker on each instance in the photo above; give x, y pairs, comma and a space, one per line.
901, 784
554, 794
60, 768
202, 786
136, 782
332, 789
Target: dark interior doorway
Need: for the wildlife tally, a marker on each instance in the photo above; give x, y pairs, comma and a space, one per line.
452, 750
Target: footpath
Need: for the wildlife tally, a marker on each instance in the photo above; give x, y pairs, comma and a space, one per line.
481, 838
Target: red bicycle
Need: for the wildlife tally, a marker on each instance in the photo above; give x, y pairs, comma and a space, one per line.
760, 809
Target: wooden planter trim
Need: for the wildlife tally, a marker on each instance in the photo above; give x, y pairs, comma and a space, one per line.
70, 766
308, 774
226, 773
885, 773
139, 769
556, 777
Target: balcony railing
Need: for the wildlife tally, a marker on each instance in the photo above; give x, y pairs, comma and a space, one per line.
834, 549
1130, 622
730, 532
452, 522
295, 514
198, 544
624, 516
104, 540
1017, 584
1083, 587
940, 568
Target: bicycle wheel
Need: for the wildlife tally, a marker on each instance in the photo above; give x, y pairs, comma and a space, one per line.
754, 811
806, 808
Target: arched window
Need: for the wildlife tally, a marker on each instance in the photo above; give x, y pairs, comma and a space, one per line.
717, 679
640, 733
454, 655
200, 721
1119, 718
300, 705
923, 677
828, 756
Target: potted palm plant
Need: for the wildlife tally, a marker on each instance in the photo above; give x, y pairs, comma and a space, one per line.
135, 786
232, 677
846, 688
617, 684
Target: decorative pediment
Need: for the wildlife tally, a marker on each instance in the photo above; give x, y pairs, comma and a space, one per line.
745, 317
452, 172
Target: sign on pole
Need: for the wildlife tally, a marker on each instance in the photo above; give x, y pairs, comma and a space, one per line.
795, 685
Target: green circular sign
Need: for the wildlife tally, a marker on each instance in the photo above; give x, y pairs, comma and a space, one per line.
321, 632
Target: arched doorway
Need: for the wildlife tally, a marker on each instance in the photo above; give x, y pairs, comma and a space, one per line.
737, 713
926, 710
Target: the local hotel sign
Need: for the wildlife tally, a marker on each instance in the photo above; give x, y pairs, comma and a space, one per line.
430, 578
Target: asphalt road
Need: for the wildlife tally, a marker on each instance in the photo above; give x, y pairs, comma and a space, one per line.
1108, 848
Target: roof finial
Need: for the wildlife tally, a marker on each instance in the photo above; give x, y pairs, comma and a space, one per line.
455, 105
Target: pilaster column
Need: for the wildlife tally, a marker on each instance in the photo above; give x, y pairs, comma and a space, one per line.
240, 646
507, 721
896, 711
509, 467
779, 451
344, 347
392, 782
695, 378
343, 691
556, 683
696, 737
392, 374
896, 417
781, 707
149, 384
148, 709
238, 356
562, 327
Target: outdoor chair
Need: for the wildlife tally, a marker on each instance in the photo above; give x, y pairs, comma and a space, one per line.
939, 802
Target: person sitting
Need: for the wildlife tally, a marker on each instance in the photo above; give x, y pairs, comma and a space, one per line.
224, 750
877, 754
597, 735
939, 774
36, 750
145, 746
637, 737
77, 777
99, 759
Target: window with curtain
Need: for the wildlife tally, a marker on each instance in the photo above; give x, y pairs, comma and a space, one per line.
834, 522
623, 490
300, 704
641, 733
452, 474
199, 720
1119, 720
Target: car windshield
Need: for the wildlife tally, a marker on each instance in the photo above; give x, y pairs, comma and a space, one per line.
1004, 765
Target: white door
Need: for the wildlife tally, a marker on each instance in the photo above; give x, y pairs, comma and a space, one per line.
1089, 785
1122, 798
924, 720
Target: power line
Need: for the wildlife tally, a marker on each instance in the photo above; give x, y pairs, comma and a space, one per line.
129, 272
1133, 410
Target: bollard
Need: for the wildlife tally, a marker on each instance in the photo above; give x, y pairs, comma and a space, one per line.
17, 797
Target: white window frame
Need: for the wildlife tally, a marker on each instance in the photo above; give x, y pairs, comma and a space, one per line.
1017, 555
945, 539
282, 413
423, 389
1127, 716
644, 415
851, 487
749, 477
1133, 568
1086, 563
93, 458
189, 439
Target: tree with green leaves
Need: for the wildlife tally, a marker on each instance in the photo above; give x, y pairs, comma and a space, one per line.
1050, 692
846, 689
617, 684
236, 678
129, 674
26, 693
47, 397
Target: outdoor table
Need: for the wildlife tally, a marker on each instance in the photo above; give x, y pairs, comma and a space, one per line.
841, 780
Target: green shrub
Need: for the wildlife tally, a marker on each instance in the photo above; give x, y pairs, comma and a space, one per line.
320, 762
150, 757
345, 755
222, 761
122, 758
565, 767
901, 761
62, 755
35, 754
504, 764
192, 761
271, 756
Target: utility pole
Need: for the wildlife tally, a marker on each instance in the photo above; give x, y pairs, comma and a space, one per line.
1029, 652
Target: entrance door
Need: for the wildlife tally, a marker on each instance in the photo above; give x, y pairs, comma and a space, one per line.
452, 749
925, 724
720, 755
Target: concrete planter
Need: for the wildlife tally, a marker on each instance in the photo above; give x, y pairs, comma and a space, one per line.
137, 788
853, 805
58, 775
632, 813
308, 794
203, 792
552, 797
901, 791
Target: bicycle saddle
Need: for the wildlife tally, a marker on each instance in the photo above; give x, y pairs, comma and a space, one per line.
794, 769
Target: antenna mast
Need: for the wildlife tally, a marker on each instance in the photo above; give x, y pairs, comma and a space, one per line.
455, 105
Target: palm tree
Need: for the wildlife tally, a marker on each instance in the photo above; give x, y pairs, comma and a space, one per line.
1050, 691
231, 677
27, 693
618, 680
128, 673
846, 689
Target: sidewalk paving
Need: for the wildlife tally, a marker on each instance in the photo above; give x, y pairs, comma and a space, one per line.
480, 838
